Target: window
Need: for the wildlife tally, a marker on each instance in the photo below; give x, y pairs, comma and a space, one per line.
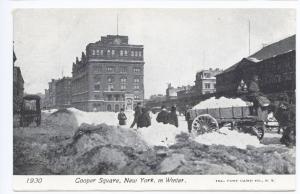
93, 52
207, 86
121, 52
140, 54
136, 87
132, 53
97, 96
136, 97
125, 53
123, 86
97, 52
108, 52
123, 80
112, 52
110, 87
123, 69
97, 68
97, 86
136, 70
101, 52
136, 53
110, 69
108, 107
136, 80
109, 80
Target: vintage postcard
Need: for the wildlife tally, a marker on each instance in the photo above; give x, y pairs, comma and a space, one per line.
154, 99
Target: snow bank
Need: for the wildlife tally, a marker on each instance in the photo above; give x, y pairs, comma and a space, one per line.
228, 137
159, 134
109, 118
222, 102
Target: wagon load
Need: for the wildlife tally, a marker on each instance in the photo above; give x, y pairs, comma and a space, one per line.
213, 113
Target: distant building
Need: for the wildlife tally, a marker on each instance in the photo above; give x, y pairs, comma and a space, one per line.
52, 94
274, 64
63, 92
171, 92
206, 81
46, 103
18, 86
157, 98
109, 76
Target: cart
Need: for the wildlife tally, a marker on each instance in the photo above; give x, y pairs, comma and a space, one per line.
236, 118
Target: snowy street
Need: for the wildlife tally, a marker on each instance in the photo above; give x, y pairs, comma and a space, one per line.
70, 141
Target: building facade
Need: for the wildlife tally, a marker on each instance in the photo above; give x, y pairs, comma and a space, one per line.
275, 65
52, 94
109, 75
171, 92
63, 92
206, 81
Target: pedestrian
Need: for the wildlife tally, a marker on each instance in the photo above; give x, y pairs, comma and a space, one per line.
287, 121
162, 116
122, 117
188, 119
137, 114
172, 117
144, 119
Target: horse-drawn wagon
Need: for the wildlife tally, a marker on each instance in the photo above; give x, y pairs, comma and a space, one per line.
243, 118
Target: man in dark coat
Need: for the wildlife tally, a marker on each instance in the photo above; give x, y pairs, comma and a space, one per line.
144, 120
188, 118
172, 117
137, 114
286, 115
122, 117
162, 116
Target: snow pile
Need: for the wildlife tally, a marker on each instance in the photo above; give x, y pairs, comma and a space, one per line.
159, 134
109, 118
222, 102
228, 137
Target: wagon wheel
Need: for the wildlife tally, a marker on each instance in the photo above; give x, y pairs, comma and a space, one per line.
204, 124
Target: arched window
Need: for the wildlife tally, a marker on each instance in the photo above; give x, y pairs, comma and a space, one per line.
108, 107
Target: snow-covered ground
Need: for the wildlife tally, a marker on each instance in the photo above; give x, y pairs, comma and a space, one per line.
159, 134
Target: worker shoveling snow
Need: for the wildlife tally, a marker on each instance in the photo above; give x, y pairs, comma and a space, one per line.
221, 102
228, 137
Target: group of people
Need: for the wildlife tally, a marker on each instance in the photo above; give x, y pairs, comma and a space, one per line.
166, 117
142, 116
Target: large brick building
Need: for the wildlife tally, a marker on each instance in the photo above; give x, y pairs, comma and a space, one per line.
109, 75
63, 92
275, 66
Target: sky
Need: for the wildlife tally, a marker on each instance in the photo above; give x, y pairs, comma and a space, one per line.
177, 42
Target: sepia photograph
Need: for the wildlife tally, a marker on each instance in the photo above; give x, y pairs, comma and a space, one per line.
154, 91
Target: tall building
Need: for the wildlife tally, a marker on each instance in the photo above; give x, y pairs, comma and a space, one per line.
206, 81
63, 92
109, 75
52, 93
